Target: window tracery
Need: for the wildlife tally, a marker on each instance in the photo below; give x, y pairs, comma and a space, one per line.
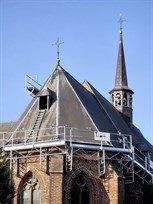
125, 99
30, 191
117, 99
80, 191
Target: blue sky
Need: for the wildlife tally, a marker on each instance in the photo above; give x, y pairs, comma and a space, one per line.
90, 33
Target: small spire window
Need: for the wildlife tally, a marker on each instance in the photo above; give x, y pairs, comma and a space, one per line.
130, 100
124, 99
118, 99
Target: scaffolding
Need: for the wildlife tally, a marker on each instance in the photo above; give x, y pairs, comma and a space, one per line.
32, 85
70, 141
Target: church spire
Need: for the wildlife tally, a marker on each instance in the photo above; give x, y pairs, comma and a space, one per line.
121, 76
121, 94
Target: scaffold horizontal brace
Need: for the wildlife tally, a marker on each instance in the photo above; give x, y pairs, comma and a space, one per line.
99, 147
36, 145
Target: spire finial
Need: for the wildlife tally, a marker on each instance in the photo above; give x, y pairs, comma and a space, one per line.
121, 22
58, 43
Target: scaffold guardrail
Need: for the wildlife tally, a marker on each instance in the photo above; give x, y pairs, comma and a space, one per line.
116, 146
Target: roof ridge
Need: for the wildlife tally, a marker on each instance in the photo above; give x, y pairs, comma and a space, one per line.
92, 87
92, 120
75, 79
102, 106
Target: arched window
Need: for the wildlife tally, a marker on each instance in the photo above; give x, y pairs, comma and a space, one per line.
29, 192
125, 99
117, 99
80, 191
112, 98
130, 100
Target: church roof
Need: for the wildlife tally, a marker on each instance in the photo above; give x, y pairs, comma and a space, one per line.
7, 126
115, 117
45, 92
79, 106
111, 112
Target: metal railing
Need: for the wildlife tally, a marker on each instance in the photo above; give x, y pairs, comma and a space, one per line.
26, 137
63, 134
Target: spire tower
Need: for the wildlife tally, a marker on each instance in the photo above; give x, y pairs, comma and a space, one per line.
121, 76
121, 94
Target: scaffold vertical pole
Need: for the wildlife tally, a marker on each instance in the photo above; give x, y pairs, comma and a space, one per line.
40, 161
124, 142
69, 155
11, 160
101, 163
133, 157
64, 133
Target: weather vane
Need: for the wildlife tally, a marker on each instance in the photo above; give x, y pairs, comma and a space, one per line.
121, 21
58, 43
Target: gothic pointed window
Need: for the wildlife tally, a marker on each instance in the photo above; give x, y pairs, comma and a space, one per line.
112, 98
80, 191
30, 192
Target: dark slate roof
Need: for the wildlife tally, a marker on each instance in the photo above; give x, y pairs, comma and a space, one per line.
105, 116
140, 141
97, 114
137, 137
7, 126
45, 92
121, 76
111, 112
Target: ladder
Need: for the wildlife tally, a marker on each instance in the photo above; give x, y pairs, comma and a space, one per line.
101, 163
35, 130
69, 160
127, 163
128, 172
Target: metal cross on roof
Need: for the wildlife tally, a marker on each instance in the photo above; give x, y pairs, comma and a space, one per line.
58, 43
121, 21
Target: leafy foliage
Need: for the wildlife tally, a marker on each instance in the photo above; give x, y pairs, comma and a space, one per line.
7, 189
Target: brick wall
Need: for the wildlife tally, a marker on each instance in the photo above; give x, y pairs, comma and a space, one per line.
104, 190
50, 180
56, 184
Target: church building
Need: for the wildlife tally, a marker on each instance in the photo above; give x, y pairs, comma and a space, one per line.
72, 146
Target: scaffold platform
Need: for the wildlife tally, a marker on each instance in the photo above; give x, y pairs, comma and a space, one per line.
69, 141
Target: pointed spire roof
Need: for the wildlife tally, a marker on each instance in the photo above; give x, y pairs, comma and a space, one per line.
121, 81
121, 76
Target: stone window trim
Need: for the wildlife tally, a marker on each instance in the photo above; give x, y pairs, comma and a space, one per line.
92, 182
28, 183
